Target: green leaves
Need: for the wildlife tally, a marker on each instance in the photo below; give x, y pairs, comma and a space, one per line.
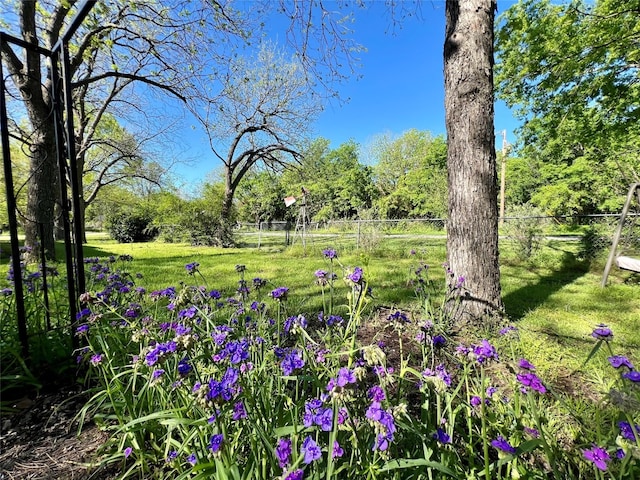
570, 73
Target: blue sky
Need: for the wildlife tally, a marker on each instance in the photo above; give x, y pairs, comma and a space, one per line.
401, 86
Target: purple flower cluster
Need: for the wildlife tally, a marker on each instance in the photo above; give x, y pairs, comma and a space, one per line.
291, 362
384, 425
215, 444
158, 351
482, 353
315, 413
356, 276
295, 323
440, 372
345, 377
280, 294
192, 268
531, 380
225, 389
236, 351
528, 379
602, 332
330, 253
310, 450
283, 452
626, 430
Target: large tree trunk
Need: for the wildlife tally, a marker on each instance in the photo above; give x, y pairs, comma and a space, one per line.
42, 192
472, 227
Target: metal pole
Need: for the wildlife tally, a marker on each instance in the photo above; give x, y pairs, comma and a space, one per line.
13, 222
78, 217
503, 175
64, 202
616, 236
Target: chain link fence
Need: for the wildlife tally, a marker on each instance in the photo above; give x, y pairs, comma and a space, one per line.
590, 235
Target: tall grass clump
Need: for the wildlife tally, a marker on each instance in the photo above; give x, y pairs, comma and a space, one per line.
192, 382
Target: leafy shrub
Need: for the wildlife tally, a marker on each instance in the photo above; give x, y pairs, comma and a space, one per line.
129, 227
524, 228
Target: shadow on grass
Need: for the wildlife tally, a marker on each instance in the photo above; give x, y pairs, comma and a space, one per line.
521, 301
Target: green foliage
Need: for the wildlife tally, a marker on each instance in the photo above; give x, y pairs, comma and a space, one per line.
338, 185
411, 176
568, 71
260, 198
130, 226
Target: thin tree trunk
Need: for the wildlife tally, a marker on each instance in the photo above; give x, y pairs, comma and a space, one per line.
225, 232
472, 227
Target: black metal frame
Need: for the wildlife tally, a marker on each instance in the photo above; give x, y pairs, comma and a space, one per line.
61, 94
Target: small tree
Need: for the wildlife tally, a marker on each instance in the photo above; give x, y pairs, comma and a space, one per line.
259, 117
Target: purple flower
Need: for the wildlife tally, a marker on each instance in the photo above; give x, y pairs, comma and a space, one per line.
295, 475
330, 253
627, 431
127, 452
475, 401
310, 450
532, 432
96, 359
183, 367
602, 332
439, 372
438, 341
598, 456
501, 443
633, 375
442, 436
617, 361
82, 329
192, 267
192, 459
356, 276
258, 283
283, 452
157, 373
216, 442
280, 293
337, 450
239, 411
334, 320
292, 361
173, 454
508, 329
484, 352
345, 376
532, 381
324, 419
524, 363
376, 393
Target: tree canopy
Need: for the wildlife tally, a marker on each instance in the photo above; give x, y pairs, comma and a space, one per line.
570, 71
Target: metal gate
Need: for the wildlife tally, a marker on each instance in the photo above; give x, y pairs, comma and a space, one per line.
61, 119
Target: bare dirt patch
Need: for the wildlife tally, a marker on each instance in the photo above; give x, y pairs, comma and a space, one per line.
39, 440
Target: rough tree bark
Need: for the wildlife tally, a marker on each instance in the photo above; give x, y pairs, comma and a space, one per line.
472, 227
